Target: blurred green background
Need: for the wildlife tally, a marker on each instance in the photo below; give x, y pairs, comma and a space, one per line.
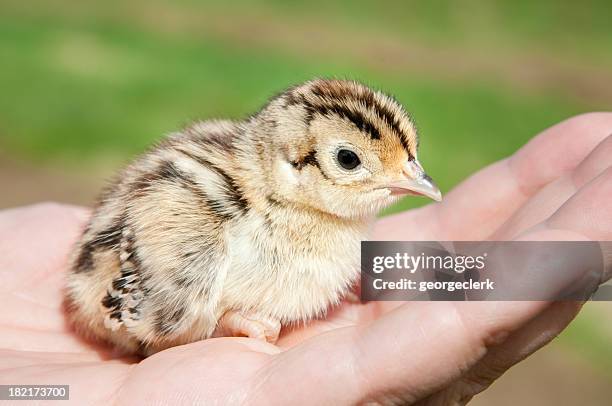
85, 85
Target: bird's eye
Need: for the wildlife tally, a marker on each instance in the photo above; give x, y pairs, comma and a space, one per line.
348, 159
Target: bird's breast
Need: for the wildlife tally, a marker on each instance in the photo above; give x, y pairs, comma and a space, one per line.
290, 278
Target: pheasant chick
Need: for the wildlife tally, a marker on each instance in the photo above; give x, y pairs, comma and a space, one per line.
234, 228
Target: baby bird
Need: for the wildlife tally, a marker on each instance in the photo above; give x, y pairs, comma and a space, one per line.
234, 228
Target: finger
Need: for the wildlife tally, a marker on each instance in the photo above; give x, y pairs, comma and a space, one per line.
579, 215
407, 354
589, 211
489, 197
585, 213
493, 195
559, 149
522, 343
548, 199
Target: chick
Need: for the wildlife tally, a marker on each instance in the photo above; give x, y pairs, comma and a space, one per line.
236, 228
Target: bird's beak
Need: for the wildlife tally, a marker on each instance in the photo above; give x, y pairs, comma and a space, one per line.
416, 182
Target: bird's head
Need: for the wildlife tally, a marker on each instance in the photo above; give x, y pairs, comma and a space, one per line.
340, 147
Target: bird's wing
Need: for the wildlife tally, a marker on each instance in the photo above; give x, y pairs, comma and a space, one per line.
173, 257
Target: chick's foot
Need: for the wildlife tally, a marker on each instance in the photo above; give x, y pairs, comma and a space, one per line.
235, 324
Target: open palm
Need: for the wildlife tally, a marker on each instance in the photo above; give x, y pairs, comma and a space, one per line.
557, 187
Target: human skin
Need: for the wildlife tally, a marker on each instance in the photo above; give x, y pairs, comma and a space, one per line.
557, 187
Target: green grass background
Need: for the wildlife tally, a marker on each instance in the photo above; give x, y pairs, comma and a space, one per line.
82, 80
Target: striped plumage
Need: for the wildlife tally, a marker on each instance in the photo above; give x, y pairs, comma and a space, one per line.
257, 220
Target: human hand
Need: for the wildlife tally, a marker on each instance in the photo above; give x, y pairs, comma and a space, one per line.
556, 187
